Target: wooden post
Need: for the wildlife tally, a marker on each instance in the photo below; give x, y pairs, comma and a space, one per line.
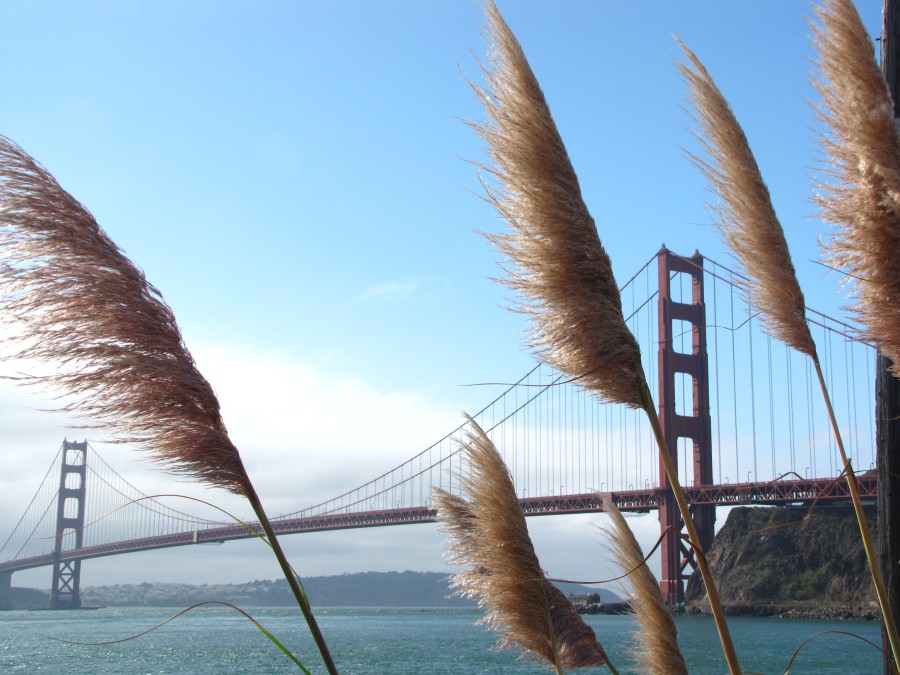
887, 427
887, 387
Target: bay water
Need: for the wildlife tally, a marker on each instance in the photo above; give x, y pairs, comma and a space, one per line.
216, 641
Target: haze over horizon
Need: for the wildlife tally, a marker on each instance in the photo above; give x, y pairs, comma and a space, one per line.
296, 179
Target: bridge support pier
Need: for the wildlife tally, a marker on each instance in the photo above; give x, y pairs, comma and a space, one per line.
678, 560
66, 592
5, 590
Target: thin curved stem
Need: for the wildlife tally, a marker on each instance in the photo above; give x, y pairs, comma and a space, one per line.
826, 632
890, 624
204, 603
712, 593
294, 583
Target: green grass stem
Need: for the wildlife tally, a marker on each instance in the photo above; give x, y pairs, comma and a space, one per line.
246, 614
294, 582
890, 624
820, 634
290, 575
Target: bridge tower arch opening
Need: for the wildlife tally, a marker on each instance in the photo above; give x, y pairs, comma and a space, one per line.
65, 592
678, 559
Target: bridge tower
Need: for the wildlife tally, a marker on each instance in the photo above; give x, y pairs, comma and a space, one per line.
66, 593
678, 559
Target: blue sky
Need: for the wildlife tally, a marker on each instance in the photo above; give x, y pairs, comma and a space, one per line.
296, 178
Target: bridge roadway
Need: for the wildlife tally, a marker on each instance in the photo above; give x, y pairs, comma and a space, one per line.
775, 493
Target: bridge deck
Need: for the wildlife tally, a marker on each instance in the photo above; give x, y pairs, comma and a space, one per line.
785, 492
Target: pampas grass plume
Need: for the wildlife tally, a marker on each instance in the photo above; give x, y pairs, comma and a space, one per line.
745, 216
554, 259
488, 532
863, 201
657, 648
552, 253
116, 353
866, 152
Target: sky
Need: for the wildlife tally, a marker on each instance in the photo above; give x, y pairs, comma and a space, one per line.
298, 180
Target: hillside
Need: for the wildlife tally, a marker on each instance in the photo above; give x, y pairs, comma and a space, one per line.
27, 598
367, 589
763, 565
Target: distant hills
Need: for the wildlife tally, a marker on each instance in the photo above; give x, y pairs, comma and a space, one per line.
366, 589
27, 598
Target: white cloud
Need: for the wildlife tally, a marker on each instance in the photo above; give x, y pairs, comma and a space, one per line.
305, 436
390, 290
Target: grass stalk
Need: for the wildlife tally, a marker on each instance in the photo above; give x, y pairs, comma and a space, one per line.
864, 153
712, 592
554, 259
871, 554
294, 583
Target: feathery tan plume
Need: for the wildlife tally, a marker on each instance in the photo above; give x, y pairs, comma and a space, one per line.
489, 533
864, 203
113, 342
657, 638
864, 150
745, 215
553, 255
555, 259
117, 352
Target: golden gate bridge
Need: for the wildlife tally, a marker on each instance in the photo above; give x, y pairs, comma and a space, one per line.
742, 415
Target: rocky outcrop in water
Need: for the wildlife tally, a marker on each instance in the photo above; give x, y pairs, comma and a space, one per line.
772, 562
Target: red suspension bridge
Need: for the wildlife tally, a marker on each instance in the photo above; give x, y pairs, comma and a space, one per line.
742, 414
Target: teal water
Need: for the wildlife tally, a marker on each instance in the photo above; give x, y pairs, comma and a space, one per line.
368, 641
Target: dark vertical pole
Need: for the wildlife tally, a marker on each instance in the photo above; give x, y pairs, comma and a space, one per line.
887, 428
887, 387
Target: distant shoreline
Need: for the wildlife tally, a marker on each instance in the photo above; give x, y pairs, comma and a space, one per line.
773, 611
787, 611
365, 589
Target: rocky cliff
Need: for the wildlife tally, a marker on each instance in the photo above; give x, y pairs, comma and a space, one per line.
770, 561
